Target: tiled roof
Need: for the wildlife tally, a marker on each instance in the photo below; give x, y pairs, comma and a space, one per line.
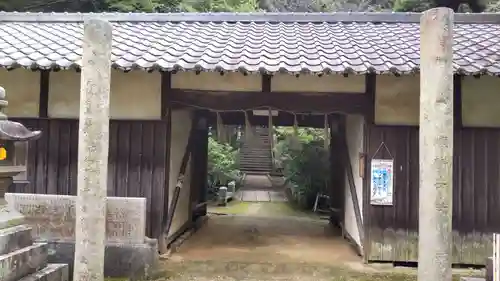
294, 43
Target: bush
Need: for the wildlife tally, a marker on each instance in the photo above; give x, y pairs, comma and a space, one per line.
222, 163
305, 163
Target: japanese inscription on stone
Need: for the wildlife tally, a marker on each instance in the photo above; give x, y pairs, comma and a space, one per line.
53, 216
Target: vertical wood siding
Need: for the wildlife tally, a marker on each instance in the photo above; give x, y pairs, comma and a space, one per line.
137, 162
392, 231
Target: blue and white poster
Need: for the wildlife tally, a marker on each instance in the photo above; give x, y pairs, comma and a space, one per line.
381, 182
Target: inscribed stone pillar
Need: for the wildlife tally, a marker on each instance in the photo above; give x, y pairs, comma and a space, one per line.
436, 145
93, 151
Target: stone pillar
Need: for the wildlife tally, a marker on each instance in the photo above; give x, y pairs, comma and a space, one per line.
436, 145
93, 147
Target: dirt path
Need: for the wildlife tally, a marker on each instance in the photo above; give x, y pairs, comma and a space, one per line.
271, 241
258, 239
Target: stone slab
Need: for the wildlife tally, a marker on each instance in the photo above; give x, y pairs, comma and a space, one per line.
52, 272
53, 216
15, 238
20, 263
135, 261
471, 279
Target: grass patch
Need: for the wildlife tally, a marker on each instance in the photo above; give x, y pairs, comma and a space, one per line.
284, 209
268, 209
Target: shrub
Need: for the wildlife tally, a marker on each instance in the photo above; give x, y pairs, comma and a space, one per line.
222, 163
304, 161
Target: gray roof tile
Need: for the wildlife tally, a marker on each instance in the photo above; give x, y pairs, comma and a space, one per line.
316, 43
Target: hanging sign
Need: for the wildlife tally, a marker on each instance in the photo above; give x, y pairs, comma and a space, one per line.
381, 182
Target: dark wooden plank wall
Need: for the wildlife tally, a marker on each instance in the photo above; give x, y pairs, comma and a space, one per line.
392, 231
137, 162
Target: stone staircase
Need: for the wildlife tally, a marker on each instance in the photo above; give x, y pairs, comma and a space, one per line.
255, 155
23, 260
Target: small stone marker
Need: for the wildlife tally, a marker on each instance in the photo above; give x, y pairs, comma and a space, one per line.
53, 217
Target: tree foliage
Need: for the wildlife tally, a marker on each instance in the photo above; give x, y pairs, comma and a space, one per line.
305, 162
245, 5
474, 6
222, 162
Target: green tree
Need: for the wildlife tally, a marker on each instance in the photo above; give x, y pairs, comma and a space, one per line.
475, 6
129, 5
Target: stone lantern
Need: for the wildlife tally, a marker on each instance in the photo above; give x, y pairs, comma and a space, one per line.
10, 132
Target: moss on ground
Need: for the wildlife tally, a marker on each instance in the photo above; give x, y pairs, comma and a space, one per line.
232, 208
273, 209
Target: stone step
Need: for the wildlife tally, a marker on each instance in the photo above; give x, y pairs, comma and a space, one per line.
255, 155
258, 171
23, 262
251, 151
257, 158
255, 162
257, 147
52, 272
15, 238
255, 166
254, 152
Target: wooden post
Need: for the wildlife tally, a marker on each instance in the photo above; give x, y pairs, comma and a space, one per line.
93, 148
495, 275
436, 145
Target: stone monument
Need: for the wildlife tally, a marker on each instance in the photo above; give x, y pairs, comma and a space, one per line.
20, 258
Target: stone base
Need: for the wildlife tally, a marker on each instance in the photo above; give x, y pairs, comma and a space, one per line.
52, 272
471, 279
133, 261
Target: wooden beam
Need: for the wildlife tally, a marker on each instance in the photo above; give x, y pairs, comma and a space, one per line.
168, 219
371, 86
43, 105
283, 119
166, 87
266, 83
166, 115
199, 162
350, 103
346, 160
337, 171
